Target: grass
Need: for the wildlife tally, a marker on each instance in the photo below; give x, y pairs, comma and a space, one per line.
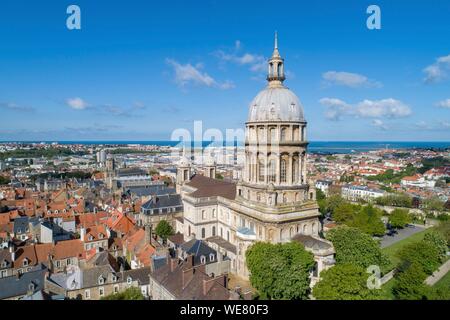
393, 249
386, 289
443, 283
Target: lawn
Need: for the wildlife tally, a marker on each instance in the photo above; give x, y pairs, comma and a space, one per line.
392, 250
386, 289
444, 282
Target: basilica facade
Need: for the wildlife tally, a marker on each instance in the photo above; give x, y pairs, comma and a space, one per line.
273, 201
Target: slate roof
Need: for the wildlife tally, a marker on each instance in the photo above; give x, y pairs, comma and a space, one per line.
150, 190
141, 275
20, 225
208, 187
198, 248
16, 286
163, 201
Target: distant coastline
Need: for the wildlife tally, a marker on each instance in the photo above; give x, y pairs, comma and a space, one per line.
334, 147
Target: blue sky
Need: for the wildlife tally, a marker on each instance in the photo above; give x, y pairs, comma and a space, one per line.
137, 70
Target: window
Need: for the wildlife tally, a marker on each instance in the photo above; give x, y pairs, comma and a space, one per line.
211, 257
25, 262
87, 294
101, 280
271, 169
68, 262
116, 289
213, 231
295, 169
214, 213
272, 134
101, 236
129, 280
203, 214
203, 232
202, 259
91, 238
4, 263
101, 291
261, 171
3, 274
114, 278
283, 170
58, 263
283, 134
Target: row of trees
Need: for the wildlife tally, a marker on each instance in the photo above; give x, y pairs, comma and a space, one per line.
418, 261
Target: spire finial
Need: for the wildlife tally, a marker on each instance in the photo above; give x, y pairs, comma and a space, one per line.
276, 40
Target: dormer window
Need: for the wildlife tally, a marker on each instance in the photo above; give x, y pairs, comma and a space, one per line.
114, 278
129, 280
91, 238
4, 264
25, 262
101, 235
211, 257
203, 259
101, 280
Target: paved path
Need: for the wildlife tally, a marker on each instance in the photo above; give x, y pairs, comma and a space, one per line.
437, 275
404, 233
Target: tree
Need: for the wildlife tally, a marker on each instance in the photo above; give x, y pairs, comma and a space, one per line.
333, 202
399, 218
409, 283
368, 220
355, 247
280, 271
132, 293
444, 229
344, 212
164, 230
344, 282
433, 204
4, 180
438, 241
423, 254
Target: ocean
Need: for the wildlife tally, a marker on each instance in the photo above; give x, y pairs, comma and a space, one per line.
343, 147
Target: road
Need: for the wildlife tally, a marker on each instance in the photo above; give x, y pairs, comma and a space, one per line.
386, 241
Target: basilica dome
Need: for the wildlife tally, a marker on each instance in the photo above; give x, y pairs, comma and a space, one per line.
276, 104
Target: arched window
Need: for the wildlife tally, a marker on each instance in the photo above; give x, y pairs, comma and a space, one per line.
272, 135
295, 169
189, 230
271, 171
261, 171
213, 231
283, 170
283, 134
203, 233
203, 214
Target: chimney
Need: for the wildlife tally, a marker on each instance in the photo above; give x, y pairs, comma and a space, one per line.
82, 233
173, 263
187, 276
148, 233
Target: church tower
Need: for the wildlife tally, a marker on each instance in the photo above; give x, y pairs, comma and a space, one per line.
275, 146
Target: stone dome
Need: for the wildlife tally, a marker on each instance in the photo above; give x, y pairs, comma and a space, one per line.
276, 104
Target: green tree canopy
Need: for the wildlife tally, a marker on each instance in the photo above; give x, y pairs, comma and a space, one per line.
409, 283
444, 229
439, 241
355, 247
423, 253
399, 218
164, 230
131, 293
345, 282
280, 271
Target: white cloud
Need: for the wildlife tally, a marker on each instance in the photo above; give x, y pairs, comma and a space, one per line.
379, 124
187, 73
15, 107
336, 109
437, 71
390, 108
77, 103
444, 103
348, 79
256, 63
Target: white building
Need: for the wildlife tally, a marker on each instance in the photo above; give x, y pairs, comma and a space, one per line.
355, 193
273, 201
